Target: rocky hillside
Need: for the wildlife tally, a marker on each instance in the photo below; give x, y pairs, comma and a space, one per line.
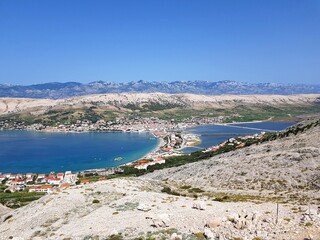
231, 196
70, 89
289, 166
154, 102
137, 209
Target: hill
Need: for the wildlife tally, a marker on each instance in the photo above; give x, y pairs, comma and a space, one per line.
179, 106
288, 164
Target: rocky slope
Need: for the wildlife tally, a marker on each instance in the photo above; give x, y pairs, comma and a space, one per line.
289, 166
136, 101
231, 196
136, 209
69, 89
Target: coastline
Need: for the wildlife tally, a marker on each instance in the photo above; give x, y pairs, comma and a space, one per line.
130, 154
160, 143
157, 148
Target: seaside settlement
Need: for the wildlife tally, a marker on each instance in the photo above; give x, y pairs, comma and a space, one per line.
49, 183
170, 134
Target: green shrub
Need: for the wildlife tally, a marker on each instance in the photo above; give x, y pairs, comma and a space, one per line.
199, 235
257, 238
115, 237
308, 224
169, 191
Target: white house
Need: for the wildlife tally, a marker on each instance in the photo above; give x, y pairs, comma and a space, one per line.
41, 188
7, 175
18, 182
60, 175
54, 181
69, 177
29, 175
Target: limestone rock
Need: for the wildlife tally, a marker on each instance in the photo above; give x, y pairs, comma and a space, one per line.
175, 236
143, 207
214, 223
161, 220
200, 205
208, 233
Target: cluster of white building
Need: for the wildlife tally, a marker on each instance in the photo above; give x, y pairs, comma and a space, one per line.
237, 142
145, 163
37, 182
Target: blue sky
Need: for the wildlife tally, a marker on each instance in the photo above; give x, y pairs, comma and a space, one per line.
168, 40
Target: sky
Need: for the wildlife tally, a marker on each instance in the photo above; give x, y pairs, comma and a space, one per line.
159, 40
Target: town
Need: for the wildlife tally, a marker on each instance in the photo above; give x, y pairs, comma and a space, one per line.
125, 124
37, 182
172, 139
238, 142
169, 133
48, 183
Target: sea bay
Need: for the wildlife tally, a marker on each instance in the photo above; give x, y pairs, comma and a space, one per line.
216, 133
39, 152
43, 152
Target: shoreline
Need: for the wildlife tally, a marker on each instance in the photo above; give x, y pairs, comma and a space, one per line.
157, 148
160, 144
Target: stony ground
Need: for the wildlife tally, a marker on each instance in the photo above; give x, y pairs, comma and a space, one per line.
231, 196
134, 207
288, 168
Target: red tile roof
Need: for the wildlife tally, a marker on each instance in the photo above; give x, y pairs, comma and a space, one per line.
64, 185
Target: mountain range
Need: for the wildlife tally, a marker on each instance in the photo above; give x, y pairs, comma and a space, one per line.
56, 90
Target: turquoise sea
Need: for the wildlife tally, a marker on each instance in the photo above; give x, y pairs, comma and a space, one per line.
38, 152
214, 134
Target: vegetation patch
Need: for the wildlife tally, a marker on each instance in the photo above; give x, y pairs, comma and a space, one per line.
127, 206
168, 190
18, 199
115, 237
228, 197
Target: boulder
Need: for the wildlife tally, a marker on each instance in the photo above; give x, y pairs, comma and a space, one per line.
242, 223
175, 236
199, 205
161, 220
208, 233
214, 223
143, 207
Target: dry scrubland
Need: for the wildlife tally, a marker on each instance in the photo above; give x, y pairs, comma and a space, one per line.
121, 100
230, 196
286, 167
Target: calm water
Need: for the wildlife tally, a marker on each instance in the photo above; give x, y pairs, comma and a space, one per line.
214, 134
27, 151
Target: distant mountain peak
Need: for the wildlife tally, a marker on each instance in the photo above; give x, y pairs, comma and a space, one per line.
57, 90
